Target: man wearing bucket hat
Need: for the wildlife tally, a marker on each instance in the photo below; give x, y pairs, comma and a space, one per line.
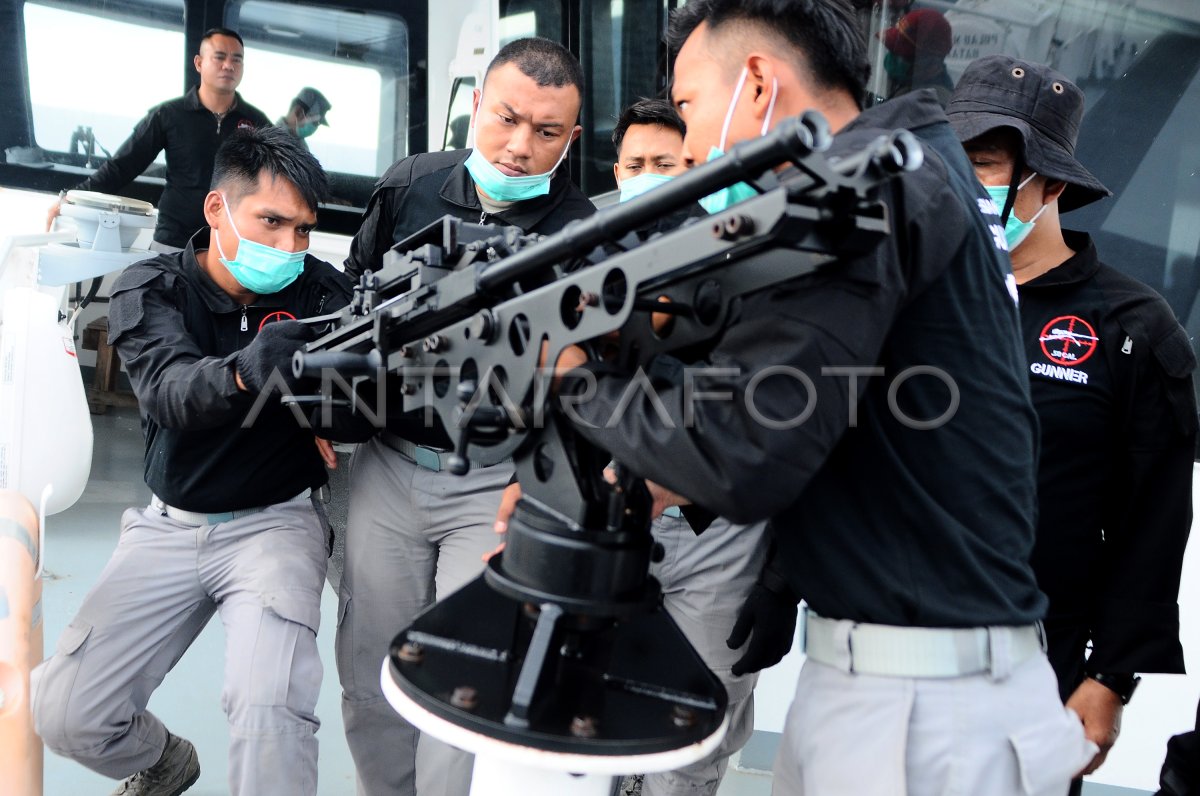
305, 114
1110, 374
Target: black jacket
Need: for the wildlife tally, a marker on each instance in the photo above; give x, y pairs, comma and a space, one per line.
875, 521
209, 446
1111, 375
419, 190
191, 135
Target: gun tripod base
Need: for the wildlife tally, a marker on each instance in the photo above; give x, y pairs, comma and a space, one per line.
530, 686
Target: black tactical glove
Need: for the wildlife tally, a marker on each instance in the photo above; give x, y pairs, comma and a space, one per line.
768, 619
272, 350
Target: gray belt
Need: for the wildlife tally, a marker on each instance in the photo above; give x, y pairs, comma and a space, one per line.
433, 459
200, 518
891, 651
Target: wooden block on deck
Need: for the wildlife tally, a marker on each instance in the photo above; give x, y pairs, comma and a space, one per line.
104, 393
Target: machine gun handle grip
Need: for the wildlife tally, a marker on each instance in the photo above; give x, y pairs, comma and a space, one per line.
812, 131
900, 152
458, 463
311, 363
885, 157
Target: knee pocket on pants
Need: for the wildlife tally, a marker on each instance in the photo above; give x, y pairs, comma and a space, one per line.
1050, 752
299, 606
73, 637
51, 683
285, 667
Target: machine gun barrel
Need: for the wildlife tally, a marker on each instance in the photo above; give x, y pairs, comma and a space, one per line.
357, 349
791, 141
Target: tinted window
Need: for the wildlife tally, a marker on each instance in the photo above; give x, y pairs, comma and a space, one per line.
619, 47
459, 117
357, 60
86, 91
522, 18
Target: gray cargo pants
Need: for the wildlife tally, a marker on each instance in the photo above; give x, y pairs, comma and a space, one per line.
705, 580
413, 536
263, 574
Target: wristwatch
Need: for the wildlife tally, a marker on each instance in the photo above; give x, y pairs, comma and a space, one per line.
1123, 685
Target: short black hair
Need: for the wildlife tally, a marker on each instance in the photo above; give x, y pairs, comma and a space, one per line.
658, 112
248, 153
824, 31
546, 62
233, 34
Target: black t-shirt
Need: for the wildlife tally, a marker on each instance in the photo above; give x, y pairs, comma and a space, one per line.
876, 519
209, 446
191, 134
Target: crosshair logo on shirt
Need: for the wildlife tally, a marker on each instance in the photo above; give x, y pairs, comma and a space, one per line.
1068, 340
281, 315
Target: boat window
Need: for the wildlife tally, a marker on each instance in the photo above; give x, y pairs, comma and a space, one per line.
86, 89
357, 60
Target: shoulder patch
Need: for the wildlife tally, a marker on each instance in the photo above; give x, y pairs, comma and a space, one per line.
1175, 354
140, 275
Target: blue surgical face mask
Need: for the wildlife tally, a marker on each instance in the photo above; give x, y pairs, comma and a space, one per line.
502, 187
739, 192
260, 268
306, 129
636, 186
1015, 230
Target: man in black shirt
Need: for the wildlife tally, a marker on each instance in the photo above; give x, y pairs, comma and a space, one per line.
190, 129
1110, 371
880, 415
234, 526
415, 531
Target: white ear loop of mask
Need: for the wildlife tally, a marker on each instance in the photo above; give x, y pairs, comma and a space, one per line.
737, 92
770, 106
1021, 185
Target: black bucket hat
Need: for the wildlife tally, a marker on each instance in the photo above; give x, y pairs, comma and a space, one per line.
314, 102
1040, 104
